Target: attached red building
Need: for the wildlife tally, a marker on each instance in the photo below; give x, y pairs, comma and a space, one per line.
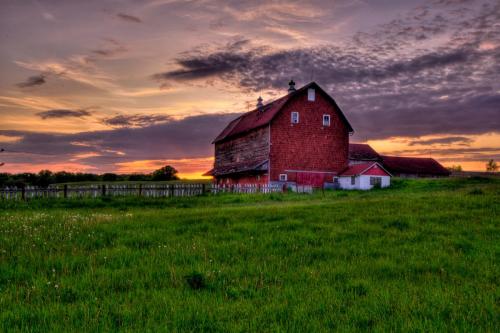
409, 167
413, 167
302, 138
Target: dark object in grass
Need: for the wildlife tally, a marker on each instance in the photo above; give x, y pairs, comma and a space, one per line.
357, 289
400, 225
195, 281
476, 191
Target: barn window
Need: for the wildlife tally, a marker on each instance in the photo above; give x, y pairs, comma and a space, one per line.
311, 95
375, 181
353, 180
295, 118
326, 120
283, 177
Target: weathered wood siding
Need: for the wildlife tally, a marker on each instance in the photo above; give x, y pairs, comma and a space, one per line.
250, 147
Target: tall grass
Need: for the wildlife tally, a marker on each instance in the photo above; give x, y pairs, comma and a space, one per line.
420, 256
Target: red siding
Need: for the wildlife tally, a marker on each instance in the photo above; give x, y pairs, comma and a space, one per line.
376, 171
372, 169
308, 146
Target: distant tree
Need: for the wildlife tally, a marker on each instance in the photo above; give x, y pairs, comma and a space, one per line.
45, 178
166, 173
491, 166
138, 177
64, 177
4, 179
109, 177
455, 168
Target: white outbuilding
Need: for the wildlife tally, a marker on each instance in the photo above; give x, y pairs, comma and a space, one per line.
364, 176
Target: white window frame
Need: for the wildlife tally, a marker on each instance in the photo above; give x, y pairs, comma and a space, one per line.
327, 116
283, 177
294, 120
311, 95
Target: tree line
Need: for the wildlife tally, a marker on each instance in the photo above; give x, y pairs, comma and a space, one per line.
491, 166
46, 177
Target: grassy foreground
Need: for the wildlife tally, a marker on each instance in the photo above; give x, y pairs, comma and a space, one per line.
421, 256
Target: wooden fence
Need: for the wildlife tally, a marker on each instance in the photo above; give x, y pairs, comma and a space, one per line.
144, 190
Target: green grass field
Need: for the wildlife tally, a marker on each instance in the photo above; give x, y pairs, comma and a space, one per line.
423, 255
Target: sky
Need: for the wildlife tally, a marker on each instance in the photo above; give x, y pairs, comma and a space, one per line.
130, 86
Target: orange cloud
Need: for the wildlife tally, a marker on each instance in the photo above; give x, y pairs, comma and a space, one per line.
54, 167
188, 168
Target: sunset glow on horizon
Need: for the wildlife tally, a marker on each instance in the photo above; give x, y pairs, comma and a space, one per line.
131, 86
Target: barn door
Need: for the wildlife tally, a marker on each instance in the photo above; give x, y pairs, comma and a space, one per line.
310, 178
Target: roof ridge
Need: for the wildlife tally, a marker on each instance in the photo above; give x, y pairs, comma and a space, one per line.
248, 122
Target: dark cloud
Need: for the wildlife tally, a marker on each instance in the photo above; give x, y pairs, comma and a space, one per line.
461, 140
250, 68
453, 154
111, 48
474, 115
129, 18
186, 138
63, 113
194, 65
383, 89
32, 81
135, 120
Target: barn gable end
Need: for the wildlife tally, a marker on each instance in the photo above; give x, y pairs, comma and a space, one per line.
309, 152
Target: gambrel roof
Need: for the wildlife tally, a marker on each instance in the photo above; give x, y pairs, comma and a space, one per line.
414, 165
362, 152
258, 118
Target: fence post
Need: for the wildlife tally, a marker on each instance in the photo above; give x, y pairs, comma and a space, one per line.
140, 189
203, 188
103, 189
171, 187
23, 192
65, 191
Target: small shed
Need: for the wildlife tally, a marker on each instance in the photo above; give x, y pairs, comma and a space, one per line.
364, 176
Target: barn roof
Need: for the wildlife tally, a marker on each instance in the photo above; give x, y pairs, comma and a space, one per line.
258, 118
363, 152
247, 166
359, 169
414, 165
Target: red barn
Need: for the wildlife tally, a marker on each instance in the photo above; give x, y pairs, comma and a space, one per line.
302, 137
408, 167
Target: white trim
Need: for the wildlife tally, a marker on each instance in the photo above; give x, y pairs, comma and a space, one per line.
269, 156
368, 168
292, 114
284, 176
329, 120
371, 166
311, 94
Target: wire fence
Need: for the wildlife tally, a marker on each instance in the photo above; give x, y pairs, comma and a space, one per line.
139, 190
